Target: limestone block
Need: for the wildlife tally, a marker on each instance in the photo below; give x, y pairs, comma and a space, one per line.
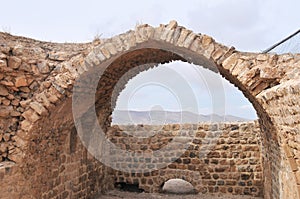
25, 126
98, 53
31, 115
240, 67
172, 187
268, 95
231, 61
21, 81
5, 102
149, 32
3, 91
196, 44
129, 40
68, 66
158, 32
262, 57
218, 53
141, 34
39, 108
58, 56
25, 67
167, 35
5, 111
184, 33
206, 40
251, 74
53, 95
176, 34
3, 147
35, 69
172, 24
285, 58
188, 41
118, 43
43, 67
182, 139
259, 87
105, 52
93, 60
15, 113
18, 50
14, 62
6, 137
111, 48
268, 72
207, 52
15, 155
64, 80
81, 68
24, 103
42, 98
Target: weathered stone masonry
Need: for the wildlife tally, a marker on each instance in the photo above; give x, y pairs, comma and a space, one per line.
36, 82
219, 158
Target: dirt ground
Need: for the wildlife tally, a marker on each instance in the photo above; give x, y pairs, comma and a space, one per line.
116, 194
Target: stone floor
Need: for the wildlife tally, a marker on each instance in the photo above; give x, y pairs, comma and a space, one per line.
116, 194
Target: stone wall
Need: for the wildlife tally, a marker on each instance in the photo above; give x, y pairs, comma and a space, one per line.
57, 165
219, 158
287, 118
25, 66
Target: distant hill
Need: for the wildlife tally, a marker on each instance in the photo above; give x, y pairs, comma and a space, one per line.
168, 117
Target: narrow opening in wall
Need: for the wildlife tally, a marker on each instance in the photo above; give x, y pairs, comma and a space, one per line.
129, 187
178, 186
73, 140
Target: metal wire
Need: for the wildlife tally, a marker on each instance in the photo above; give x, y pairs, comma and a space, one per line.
291, 44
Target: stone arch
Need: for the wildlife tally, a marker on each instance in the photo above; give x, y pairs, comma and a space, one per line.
172, 42
252, 73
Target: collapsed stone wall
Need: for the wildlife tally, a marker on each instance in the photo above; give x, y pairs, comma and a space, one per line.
218, 157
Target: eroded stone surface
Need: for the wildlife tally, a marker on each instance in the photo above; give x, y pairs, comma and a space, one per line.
178, 186
219, 158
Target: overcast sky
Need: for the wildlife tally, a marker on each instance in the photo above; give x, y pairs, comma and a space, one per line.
249, 25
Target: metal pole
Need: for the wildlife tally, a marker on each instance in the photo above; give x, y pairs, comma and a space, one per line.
277, 44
